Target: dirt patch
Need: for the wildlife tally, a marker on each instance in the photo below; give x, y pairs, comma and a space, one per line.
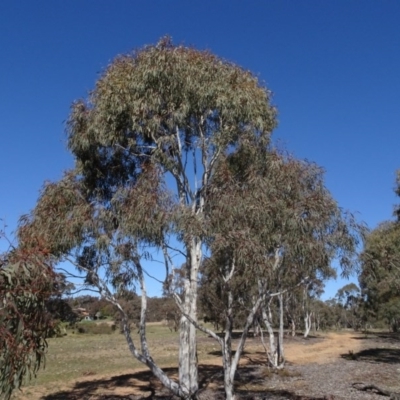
323, 367
321, 350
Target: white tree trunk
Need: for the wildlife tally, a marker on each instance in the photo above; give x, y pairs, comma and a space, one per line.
293, 327
230, 371
281, 355
307, 323
188, 371
272, 350
227, 350
230, 363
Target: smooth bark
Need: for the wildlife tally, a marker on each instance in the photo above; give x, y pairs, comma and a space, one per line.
188, 370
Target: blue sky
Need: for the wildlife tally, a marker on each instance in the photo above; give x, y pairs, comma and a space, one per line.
333, 66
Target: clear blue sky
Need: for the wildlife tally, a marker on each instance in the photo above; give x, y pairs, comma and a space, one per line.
334, 68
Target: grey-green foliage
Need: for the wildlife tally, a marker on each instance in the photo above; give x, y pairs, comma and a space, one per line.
380, 275
162, 109
348, 294
263, 201
26, 283
272, 224
349, 306
159, 104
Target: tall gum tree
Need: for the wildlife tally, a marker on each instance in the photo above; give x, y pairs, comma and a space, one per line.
162, 114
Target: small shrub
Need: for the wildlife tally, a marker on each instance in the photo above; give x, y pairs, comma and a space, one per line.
82, 329
101, 329
58, 330
95, 329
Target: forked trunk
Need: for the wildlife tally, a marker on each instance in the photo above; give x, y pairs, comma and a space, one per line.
143, 356
230, 363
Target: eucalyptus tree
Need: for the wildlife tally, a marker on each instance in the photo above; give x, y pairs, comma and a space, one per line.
350, 302
311, 231
146, 145
279, 229
380, 273
27, 281
301, 304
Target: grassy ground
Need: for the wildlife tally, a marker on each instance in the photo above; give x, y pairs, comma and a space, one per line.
78, 355
87, 366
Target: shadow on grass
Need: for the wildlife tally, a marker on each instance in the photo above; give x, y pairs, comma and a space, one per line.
390, 337
288, 336
218, 353
309, 337
376, 355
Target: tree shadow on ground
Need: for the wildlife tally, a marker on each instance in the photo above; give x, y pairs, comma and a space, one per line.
383, 337
301, 337
390, 337
365, 337
274, 394
376, 355
237, 335
255, 354
255, 358
143, 386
